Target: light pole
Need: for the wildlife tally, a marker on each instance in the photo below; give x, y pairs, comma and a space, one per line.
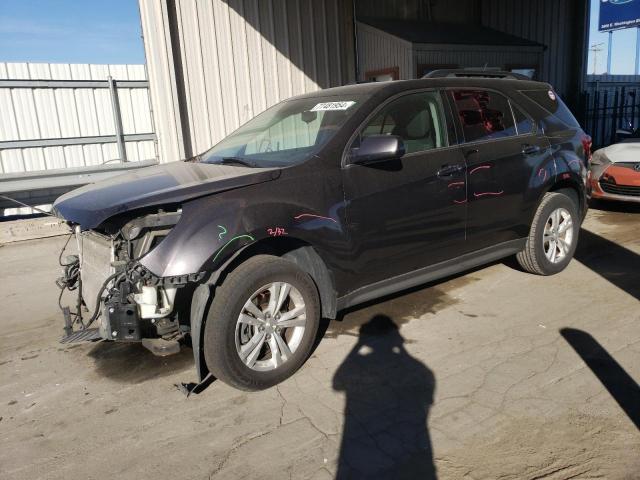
595, 48
609, 52
638, 51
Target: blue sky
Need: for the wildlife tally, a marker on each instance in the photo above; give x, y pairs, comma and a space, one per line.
70, 31
624, 46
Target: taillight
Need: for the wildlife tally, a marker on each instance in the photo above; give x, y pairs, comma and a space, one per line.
586, 145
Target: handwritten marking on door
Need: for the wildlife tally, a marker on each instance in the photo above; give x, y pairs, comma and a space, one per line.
311, 215
276, 231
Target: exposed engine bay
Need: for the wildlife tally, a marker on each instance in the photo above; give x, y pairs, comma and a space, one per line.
117, 298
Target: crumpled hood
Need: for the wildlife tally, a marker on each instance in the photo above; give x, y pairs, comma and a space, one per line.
169, 183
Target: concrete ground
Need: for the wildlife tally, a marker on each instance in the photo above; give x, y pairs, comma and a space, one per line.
473, 377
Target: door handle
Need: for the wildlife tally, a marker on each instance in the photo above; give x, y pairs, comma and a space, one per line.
528, 149
449, 170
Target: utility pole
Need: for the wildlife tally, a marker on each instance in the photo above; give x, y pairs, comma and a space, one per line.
638, 51
595, 48
609, 52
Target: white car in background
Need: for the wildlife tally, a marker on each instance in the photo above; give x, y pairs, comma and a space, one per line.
615, 172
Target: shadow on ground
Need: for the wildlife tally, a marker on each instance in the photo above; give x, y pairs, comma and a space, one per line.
402, 306
613, 377
613, 262
132, 363
621, 207
388, 397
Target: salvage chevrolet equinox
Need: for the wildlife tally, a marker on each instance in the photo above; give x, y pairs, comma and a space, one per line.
322, 202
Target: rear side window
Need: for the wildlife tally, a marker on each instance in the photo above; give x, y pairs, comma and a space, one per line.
552, 103
524, 124
417, 118
484, 115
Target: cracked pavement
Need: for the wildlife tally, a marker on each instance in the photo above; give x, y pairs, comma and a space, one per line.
467, 378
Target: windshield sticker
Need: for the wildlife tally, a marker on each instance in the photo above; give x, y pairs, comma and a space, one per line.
321, 107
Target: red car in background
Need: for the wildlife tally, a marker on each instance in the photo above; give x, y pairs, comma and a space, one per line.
615, 172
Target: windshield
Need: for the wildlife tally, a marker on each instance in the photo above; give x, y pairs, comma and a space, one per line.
285, 134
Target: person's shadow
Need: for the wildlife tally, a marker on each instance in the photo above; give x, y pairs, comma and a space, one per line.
388, 396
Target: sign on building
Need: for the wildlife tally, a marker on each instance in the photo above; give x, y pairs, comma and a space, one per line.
618, 14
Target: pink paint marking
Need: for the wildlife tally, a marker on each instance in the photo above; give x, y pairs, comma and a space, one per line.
458, 202
541, 171
298, 217
453, 184
488, 193
481, 167
276, 232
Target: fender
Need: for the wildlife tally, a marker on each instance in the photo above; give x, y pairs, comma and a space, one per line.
571, 173
559, 170
212, 228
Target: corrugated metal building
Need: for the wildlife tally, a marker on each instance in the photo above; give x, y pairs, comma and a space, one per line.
48, 113
403, 49
213, 64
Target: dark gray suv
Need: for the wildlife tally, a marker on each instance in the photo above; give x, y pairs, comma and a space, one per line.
322, 202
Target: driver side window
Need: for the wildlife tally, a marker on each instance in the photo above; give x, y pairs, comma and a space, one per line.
299, 130
417, 118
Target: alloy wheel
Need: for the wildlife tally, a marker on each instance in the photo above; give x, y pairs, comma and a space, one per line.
558, 235
270, 326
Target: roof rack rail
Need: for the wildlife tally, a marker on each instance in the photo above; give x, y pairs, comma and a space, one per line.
451, 73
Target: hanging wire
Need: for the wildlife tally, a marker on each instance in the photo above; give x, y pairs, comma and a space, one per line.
25, 205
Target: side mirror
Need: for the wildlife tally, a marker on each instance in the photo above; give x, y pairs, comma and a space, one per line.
376, 148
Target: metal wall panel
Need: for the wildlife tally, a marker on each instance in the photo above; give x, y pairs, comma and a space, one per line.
52, 113
405, 9
379, 50
553, 23
214, 64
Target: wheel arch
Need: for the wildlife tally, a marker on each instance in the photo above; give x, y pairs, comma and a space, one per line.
571, 188
298, 251
295, 250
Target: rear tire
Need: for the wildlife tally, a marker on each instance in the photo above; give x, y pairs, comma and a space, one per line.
553, 236
262, 323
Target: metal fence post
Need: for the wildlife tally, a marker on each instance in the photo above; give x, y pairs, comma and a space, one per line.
614, 116
594, 118
605, 107
117, 118
638, 51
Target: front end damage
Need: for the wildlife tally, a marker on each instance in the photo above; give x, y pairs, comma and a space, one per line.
614, 173
118, 299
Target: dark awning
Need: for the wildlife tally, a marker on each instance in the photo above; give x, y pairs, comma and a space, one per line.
446, 33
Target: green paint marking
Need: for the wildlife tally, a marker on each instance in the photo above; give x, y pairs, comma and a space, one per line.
225, 245
221, 234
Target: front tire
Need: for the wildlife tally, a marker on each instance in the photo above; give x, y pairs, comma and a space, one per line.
262, 323
553, 236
